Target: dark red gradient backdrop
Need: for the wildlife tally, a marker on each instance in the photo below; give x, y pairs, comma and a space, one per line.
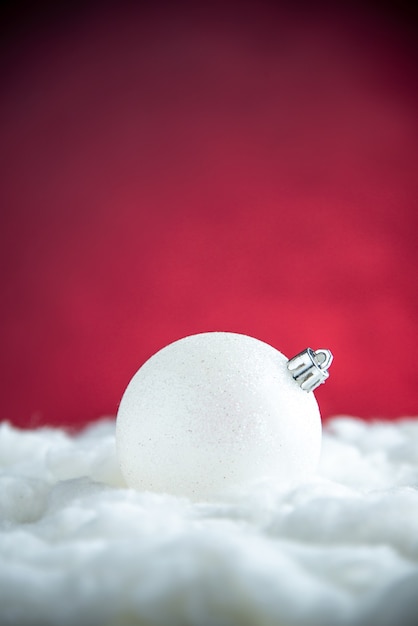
170, 170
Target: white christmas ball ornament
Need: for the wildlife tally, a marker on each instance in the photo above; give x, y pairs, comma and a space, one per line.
213, 412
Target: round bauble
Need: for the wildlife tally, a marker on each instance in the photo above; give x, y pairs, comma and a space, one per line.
214, 412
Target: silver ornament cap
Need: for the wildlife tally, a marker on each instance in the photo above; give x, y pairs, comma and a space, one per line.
310, 367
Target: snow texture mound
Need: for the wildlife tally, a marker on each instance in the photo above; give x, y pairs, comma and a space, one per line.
78, 547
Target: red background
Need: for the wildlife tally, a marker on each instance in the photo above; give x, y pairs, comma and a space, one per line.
168, 170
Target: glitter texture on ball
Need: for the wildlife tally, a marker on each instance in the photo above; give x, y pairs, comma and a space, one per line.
214, 412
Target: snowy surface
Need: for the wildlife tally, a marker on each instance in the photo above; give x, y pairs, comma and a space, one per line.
78, 547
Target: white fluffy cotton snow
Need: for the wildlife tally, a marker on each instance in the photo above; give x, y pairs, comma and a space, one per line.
78, 547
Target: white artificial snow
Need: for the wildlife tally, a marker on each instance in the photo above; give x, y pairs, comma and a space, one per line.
79, 548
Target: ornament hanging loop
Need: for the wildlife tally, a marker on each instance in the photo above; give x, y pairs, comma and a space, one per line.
310, 367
